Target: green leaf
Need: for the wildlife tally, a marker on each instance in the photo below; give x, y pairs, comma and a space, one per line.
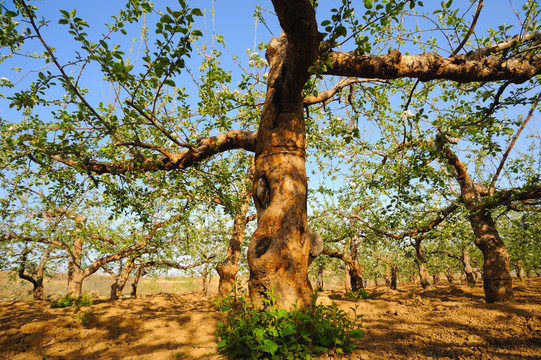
197, 12
269, 346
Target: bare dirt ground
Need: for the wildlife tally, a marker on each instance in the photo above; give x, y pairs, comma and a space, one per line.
450, 322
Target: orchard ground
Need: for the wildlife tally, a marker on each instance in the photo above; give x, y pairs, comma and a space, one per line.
172, 319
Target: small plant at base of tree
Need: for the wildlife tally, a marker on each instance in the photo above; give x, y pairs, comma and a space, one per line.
360, 294
274, 333
85, 318
69, 300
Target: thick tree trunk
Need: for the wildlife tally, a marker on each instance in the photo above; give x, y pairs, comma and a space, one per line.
356, 277
282, 246
38, 289
497, 281
229, 267
75, 286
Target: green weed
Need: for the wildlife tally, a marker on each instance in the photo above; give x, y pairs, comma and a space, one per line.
85, 318
360, 294
69, 300
274, 333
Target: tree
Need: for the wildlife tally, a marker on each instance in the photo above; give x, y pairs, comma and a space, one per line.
282, 246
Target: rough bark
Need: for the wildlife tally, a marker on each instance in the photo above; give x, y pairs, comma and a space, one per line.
497, 280
282, 246
229, 267
430, 66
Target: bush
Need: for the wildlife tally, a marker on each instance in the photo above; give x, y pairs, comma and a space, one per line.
69, 300
360, 294
274, 333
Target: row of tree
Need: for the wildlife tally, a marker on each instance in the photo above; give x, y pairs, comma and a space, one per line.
414, 151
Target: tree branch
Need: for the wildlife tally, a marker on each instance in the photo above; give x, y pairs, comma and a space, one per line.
234, 139
431, 66
472, 26
510, 147
326, 95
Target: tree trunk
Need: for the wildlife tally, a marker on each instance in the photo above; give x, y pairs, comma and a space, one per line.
420, 261
205, 279
436, 277
450, 276
520, 271
424, 276
140, 272
38, 289
120, 281
75, 273
282, 246
387, 276
356, 277
468, 270
394, 277
229, 267
355, 270
347, 279
497, 281
319, 283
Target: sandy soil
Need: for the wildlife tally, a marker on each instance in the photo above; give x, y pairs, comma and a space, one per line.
450, 322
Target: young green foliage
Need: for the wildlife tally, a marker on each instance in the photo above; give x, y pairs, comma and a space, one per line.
274, 333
